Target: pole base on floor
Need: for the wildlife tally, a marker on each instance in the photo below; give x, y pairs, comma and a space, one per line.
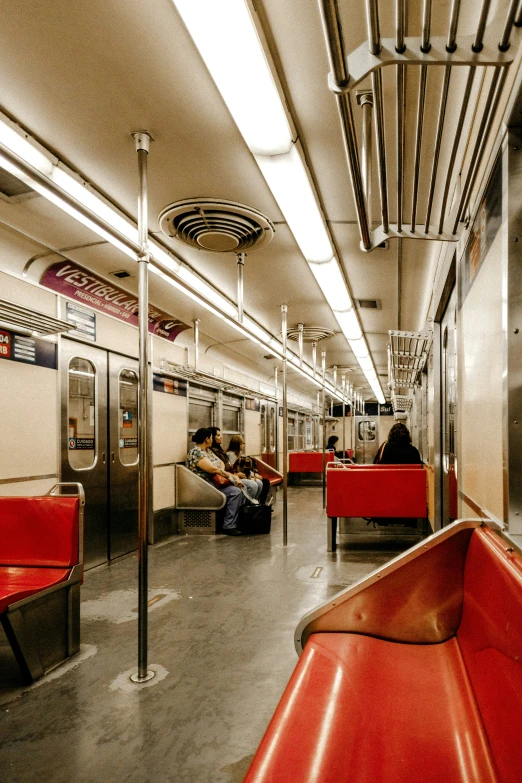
148, 676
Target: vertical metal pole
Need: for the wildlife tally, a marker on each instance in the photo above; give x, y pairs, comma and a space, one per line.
276, 383
196, 344
284, 311
240, 271
343, 381
142, 140
300, 328
335, 376
323, 369
314, 358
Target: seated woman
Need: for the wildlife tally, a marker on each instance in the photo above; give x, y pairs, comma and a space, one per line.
204, 463
251, 486
397, 450
330, 446
235, 447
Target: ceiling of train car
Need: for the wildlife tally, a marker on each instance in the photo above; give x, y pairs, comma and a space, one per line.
81, 76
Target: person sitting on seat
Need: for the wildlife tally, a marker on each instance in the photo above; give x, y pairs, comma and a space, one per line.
397, 450
205, 464
252, 487
235, 447
330, 446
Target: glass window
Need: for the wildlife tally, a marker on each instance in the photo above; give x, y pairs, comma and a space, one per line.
231, 420
291, 433
271, 428
128, 412
200, 415
81, 414
367, 430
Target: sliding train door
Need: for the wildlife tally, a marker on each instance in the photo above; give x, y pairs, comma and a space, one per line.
99, 445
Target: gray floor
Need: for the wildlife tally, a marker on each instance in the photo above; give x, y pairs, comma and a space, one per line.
221, 626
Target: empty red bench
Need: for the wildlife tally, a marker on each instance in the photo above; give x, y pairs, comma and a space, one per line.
413, 674
267, 471
308, 461
41, 569
389, 491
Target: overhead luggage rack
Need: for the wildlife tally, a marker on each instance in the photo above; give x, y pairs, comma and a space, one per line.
25, 321
407, 355
486, 55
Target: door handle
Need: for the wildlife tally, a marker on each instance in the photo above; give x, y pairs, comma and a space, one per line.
103, 458
112, 455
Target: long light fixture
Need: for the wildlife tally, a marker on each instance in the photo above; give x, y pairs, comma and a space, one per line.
229, 44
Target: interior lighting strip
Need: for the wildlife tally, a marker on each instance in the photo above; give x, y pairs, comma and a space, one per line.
20, 156
226, 37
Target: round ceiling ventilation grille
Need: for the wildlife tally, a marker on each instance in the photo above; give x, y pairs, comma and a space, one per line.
216, 225
311, 334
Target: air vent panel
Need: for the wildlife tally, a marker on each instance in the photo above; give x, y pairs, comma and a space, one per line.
311, 334
216, 225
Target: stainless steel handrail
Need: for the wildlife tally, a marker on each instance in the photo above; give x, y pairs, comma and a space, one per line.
455, 147
426, 27
438, 143
400, 144
400, 23
454, 21
481, 27
508, 27
339, 78
478, 149
418, 143
381, 147
372, 22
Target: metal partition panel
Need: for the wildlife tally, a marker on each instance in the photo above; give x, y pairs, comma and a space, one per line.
194, 492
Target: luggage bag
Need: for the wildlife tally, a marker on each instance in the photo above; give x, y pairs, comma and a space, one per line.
254, 520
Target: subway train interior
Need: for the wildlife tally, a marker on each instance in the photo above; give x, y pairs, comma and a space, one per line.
298, 223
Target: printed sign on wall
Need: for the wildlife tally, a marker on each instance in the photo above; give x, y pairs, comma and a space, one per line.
78, 283
169, 385
84, 320
29, 350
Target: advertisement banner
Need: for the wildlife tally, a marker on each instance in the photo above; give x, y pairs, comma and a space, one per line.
76, 282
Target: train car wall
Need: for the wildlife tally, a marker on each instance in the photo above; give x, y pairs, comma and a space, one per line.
480, 333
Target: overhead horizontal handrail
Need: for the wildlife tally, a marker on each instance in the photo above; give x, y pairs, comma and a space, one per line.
472, 51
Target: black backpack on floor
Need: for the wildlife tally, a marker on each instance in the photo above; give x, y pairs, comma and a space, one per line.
254, 519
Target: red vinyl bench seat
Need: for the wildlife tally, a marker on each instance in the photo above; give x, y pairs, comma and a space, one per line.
267, 471
308, 461
430, 693
389, 491
41, 569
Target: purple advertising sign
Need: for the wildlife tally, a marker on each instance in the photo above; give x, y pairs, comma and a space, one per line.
78, 283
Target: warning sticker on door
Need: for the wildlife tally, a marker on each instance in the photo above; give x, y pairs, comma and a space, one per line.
81, 444
130, 443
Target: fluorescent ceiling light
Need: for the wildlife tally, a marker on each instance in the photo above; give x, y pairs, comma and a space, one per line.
227, 40
332, 284
288, 180
360, 349
24, 149
349, 324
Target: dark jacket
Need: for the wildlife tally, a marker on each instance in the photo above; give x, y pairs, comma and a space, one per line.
400, 454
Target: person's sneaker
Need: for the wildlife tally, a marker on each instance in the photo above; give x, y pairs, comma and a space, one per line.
233, 531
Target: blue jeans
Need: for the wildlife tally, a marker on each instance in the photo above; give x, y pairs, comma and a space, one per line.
253, 487
235, 500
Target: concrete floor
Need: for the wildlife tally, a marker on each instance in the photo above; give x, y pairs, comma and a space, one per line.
221, 627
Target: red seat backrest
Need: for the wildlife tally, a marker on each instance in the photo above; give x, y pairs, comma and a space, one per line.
39, 531
308, 461
366, 492
490, 638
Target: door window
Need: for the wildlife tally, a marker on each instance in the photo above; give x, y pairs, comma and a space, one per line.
81, 412
128, 413
366, 431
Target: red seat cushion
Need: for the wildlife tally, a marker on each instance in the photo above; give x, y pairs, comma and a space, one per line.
363, 710
308, 461
490, 637
39, 531
18, 583
366, 492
